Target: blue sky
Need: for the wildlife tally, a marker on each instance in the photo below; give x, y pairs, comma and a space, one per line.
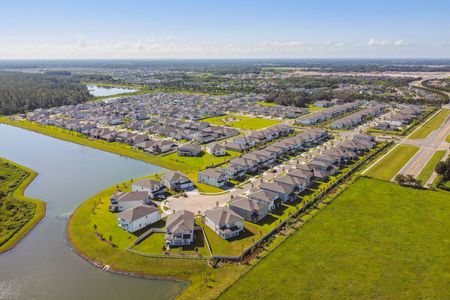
224, 29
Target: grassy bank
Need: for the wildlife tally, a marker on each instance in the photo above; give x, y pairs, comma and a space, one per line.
431, 125
189, 165
393, 162
429, 167
204, 282
389, 244
18, 214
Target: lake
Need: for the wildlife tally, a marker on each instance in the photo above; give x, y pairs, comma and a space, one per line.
42, 265
103, 91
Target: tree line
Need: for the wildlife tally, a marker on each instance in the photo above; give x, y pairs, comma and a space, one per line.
23, 92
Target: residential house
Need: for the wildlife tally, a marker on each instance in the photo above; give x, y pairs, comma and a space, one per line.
215, 149
177, 181
190, 150
120, 201
212, 177
180, 228
250, 210
223, 221
136, 218
151, 186
284, 191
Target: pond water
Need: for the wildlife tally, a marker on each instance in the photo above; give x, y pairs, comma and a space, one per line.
42, 265
102, 91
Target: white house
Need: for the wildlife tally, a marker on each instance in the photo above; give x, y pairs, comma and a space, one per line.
215, 149
124, 200
152, 187
212, 177
223, 221
180, 228
177, 181
138, 217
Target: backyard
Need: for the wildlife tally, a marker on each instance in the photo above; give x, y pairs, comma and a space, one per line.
376, 240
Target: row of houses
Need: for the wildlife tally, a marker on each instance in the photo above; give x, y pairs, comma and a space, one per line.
254, 161
228, 221
258, 138
401, 118
329, 113
358, 117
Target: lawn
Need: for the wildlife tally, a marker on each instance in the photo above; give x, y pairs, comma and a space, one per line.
377, 240
261, 103
429, 167
18, 214
94, 242
252, 232
447, 139
241, 122
431, 125
393, 162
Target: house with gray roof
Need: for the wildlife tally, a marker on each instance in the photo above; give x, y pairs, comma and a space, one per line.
139, 217
284, 191
223, 221
250, 210
120, 201
176, 181
180, 228
151, 186
190, 150
212, 177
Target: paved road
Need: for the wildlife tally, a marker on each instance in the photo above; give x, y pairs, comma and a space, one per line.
200, 202
428, 146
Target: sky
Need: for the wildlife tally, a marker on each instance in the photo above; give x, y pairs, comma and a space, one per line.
91, 29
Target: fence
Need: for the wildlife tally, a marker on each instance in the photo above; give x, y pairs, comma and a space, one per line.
301, 210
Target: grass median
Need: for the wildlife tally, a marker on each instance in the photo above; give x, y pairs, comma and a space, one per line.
431, 125
430, 166
393, 162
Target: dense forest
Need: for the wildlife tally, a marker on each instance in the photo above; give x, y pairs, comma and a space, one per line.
22, 92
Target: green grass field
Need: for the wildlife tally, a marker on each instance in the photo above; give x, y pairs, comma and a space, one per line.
18, 214
377, 240
241, 122
393, 162
431, 125
447, 139
429, 167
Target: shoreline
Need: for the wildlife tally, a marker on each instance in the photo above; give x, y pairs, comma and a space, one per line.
140, 275
76, 138
39, 213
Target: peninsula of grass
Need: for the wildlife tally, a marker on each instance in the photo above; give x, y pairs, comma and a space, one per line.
430, 166
241, 122
377, 240
432, 124
93, 233
393, 162
18, 214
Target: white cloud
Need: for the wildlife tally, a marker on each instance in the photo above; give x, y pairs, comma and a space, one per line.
372, 42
